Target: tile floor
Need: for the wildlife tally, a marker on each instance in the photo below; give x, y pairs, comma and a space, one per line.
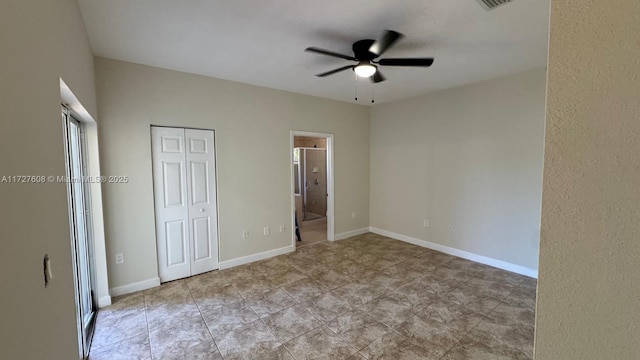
367, 297
312, 232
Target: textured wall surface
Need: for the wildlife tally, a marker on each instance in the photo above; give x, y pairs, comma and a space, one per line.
469, 159
588, 290
40, 42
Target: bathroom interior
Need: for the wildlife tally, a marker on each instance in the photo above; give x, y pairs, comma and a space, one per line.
310, 188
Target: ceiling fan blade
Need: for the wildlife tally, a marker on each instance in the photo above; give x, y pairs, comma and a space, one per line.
388, 38
335, 71
377, 77
425, 62
329, 53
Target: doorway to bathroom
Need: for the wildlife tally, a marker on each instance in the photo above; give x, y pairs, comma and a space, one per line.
312, 185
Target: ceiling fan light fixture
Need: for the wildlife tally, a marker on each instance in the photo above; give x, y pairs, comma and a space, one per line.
365, 53
365, 69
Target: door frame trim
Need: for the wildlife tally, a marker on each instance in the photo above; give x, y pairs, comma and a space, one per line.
330, 182
71, 102
84, 339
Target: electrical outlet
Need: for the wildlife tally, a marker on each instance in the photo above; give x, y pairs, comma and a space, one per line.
119, 258
353, 215
450, 228
245, 234
267, 231
426, 222
282, 228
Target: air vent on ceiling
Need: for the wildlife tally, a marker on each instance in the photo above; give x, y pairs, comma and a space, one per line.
492, 4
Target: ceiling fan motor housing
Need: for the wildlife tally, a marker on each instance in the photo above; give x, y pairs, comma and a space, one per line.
361, 50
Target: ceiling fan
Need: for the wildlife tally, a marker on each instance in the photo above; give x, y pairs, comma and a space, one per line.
366, 51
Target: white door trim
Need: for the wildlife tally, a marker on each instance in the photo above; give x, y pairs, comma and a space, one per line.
69, 99
330, 182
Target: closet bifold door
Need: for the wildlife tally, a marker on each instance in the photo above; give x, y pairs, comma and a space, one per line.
184, 183
201, 180
171, 202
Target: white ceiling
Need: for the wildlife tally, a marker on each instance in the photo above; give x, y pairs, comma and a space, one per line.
262, 42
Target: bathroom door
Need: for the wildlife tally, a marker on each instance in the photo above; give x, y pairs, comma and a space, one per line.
185, 201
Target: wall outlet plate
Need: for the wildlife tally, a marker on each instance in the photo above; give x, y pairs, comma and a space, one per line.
267, 231
245, 234
426, 222
282, 228
119, 258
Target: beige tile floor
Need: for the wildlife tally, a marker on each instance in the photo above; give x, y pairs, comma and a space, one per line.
312, 232
367, 297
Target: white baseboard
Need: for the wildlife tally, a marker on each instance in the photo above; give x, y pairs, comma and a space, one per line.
459, 253
256, 257
104, 301
351, 233
150, 283
137, 286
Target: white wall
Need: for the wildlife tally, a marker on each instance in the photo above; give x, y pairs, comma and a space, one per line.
588, 292
469, 158
252, 127
40, 42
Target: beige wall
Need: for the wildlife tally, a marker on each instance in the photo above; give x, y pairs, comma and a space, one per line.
40, 42
254, 181
469, 158
588, 292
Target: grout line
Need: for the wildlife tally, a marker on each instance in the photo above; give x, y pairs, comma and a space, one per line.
203, 320
282, 343
484, 317
288, 352
146, 319
346, 341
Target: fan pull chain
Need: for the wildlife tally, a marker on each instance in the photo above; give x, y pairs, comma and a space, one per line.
356, 79
372, 93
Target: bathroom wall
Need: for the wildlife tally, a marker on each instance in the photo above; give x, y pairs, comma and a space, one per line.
302, 141
316, 194
316, 170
